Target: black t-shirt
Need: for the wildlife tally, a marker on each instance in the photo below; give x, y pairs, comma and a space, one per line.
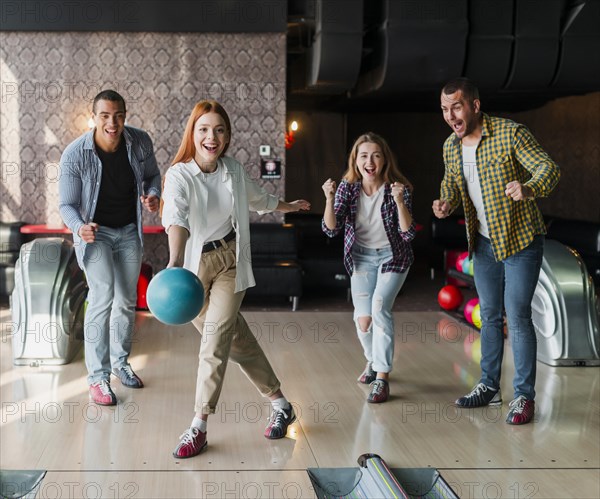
117, 199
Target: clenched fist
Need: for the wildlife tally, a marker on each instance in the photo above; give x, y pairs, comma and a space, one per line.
87, 232
151, 203
441, 208
517, 191
329, 189
398, 192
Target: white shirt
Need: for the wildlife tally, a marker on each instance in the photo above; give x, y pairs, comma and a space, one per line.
474, 187
220, 205
369, 230
185, 197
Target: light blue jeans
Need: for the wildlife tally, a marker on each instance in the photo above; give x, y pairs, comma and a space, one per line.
373, 295
509, 284
112, 268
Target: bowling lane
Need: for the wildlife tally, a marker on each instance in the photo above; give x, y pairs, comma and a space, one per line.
436, 360
47, 416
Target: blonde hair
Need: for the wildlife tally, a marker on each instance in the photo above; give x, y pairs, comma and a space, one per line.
391, 173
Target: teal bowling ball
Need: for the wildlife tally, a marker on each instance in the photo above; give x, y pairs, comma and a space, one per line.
467, 265
175, 296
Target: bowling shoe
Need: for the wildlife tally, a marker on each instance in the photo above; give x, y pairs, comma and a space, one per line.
521, 411
368, 375
192, 442
279, 421
480, 396
380, 392
128, 377
101, 393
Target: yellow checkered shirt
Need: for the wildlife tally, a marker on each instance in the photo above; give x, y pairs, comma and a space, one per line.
507, 151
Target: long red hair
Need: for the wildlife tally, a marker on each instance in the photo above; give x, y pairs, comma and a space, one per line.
187, 149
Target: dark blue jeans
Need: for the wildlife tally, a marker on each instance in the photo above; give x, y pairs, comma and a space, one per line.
510, 285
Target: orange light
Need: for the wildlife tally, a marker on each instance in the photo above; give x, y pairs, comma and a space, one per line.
289, 135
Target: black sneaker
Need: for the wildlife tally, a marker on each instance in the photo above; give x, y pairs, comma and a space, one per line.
368, 375
279, 422
128, 377
480, 396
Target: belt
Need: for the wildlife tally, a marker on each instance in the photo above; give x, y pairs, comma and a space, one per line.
213, 245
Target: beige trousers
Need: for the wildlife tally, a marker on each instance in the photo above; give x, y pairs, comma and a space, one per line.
225, 333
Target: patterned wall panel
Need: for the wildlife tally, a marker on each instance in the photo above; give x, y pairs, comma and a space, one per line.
569, 129
48, 81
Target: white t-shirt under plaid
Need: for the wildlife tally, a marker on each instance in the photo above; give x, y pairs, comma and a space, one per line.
370, 232
474, 187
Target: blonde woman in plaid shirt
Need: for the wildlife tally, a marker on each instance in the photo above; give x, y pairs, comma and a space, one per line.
373, 205
496, 168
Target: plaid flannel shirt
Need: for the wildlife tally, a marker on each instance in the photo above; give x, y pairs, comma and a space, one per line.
345, 208
507, 152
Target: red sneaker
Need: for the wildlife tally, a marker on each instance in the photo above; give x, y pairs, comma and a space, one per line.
192, 442
380, 392
101, 393
521, 411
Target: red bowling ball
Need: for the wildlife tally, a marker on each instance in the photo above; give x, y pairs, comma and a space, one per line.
450, 297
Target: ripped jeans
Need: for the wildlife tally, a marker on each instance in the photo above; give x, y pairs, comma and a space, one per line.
373, 295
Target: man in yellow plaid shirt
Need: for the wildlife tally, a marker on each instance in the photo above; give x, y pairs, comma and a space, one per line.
496, 168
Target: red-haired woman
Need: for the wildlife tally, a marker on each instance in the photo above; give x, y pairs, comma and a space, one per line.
373, 205
207, 198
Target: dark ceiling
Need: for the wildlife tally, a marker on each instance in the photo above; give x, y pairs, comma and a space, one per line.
375, 55
395, 55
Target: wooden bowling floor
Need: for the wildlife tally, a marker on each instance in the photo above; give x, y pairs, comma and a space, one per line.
125, 451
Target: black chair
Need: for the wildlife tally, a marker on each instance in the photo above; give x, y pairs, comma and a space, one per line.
275, 265
11, 240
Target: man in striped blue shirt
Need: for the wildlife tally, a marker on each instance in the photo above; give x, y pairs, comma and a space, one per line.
496, 168
107, 176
